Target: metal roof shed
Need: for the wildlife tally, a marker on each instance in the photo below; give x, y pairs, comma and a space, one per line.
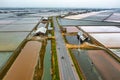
41, 30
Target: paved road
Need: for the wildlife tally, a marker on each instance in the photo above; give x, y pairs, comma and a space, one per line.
66, 69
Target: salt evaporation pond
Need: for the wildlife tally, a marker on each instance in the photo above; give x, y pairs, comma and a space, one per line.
4, 56
26, 21
72, 40
2, 22
20, 27
100, 29
70, 22
9, 41
110, 40
98, 17
72, 29
23, 67
114, 18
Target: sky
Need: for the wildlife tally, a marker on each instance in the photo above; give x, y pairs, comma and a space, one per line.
61, 3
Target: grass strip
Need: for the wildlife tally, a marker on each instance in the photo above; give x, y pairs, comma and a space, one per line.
55, 69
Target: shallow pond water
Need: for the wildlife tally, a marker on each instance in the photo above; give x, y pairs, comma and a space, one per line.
47, 62
9, 41
111, 40
24, 66
72, 40
20, 27
4, 56
116, 51
100, 29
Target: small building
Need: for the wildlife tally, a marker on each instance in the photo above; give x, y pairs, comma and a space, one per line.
62, 16
45, 20
40, 31
82, 38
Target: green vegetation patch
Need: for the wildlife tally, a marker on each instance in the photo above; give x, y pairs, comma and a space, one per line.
55, 70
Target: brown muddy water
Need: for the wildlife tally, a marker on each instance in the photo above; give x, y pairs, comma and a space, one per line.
24, 66
106, 65
96, 64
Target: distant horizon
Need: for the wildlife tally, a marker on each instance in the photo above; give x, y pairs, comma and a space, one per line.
60, 3
63, 7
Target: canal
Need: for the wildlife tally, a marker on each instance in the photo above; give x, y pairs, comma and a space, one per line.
47, 62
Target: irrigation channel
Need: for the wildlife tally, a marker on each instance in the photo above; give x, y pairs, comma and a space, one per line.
47, 62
